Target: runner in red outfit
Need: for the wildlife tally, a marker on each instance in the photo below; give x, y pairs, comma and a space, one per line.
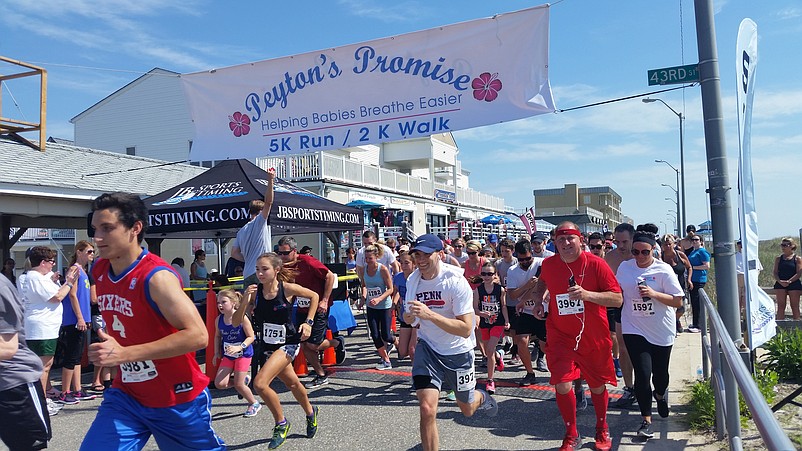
581, 286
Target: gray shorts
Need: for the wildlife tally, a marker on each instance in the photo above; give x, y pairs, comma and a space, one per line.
432, 370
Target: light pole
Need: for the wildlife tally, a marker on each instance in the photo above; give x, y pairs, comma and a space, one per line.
679, 218
672, 218
681, 156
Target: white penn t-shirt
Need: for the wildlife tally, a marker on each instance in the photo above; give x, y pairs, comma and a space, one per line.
449, 295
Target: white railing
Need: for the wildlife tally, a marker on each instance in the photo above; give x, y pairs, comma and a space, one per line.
324, 166
35, 234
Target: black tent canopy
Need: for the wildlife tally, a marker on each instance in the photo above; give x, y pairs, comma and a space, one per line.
215, 205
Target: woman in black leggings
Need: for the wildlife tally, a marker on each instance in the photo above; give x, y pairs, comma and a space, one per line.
651, 295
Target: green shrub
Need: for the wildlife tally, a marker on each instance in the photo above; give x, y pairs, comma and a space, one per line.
784, 354
766, 381
703, 406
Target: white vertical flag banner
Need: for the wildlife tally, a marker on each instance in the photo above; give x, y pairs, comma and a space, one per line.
454, 77
760, 309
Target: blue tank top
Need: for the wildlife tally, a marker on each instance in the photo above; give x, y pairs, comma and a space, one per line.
376, 286
233, 336
68, 316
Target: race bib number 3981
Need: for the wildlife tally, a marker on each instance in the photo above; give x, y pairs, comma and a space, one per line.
138, 371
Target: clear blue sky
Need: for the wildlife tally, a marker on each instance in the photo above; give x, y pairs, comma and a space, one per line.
599, 50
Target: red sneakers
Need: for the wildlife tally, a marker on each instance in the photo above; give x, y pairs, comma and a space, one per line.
603, 440
570, 443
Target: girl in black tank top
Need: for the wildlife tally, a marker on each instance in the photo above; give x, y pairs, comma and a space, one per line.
490, 306
272, 313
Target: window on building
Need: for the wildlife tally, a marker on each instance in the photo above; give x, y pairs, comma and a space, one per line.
586, 200
207, 163
130, 150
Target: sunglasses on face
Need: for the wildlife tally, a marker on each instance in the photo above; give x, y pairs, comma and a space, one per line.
641, 252
488, 274
785, 244
471, 253
283, 252
524, 259
51, 260
608, 248
90, 251
696, 239
458, 246
595, 246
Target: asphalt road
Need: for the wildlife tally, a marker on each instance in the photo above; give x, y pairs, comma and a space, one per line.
365, 409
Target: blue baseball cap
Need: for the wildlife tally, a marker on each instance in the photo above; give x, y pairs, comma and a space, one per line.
427, 244
492, 238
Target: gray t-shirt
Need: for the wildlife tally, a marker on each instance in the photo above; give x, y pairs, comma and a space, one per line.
24, 366
254, 239
502, 267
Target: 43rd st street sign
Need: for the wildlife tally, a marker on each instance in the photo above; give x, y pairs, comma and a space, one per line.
673, 75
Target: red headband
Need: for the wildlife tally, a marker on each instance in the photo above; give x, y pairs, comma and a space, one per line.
567, 232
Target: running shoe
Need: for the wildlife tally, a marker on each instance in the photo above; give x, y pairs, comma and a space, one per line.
679, 327
603, 440
489, 405
53, 408
528, 380
390, 347
515, 360
83, 396
694, 330
67, 398
618, 372
384, 365
253, 409
490, 386
451, 396
645, 430
499, 360
339, 350
662, 404
317, 382
53, 393
581, 400
570, 443
311, 423
626, 399
540, 364
280, 433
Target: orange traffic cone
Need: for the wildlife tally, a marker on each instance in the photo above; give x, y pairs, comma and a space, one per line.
329, 356
299, 365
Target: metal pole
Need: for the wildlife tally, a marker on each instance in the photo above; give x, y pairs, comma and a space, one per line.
719, 193
682, 170
680, 218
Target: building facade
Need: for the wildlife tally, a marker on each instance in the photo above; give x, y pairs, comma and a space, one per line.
595, 206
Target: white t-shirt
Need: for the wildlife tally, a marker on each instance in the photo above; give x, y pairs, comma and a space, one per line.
42, 318
652, 320
517, 277
387, 259
449, 295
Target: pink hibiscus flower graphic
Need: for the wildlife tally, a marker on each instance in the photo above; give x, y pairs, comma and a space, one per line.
486, 87
240, 124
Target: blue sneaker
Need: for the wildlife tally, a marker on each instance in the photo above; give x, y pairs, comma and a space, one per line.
311, 423
280, 433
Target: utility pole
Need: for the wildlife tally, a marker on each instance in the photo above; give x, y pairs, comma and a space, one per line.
719, 194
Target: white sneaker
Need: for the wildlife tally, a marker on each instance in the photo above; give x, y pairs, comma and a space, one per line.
53, 408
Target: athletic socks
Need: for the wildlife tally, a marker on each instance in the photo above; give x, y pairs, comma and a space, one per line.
567, 405
600, 405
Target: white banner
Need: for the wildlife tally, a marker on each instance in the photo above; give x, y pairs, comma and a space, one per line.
760, 309
448, 78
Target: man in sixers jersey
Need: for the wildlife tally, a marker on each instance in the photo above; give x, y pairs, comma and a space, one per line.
153, 332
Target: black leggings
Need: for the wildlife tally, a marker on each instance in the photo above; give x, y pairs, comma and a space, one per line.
379, 324
650, 362
695, 304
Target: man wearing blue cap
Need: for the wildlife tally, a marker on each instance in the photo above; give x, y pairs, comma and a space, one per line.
440, 300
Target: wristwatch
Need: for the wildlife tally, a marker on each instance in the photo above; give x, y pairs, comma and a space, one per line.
310, 322
243, 345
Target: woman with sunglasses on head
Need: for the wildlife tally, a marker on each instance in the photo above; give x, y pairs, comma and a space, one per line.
651, 294
787, 270
490, 307
76, 319
473, 265
678, 261
700, 264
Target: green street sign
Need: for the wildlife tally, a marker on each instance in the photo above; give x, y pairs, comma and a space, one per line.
674, 75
